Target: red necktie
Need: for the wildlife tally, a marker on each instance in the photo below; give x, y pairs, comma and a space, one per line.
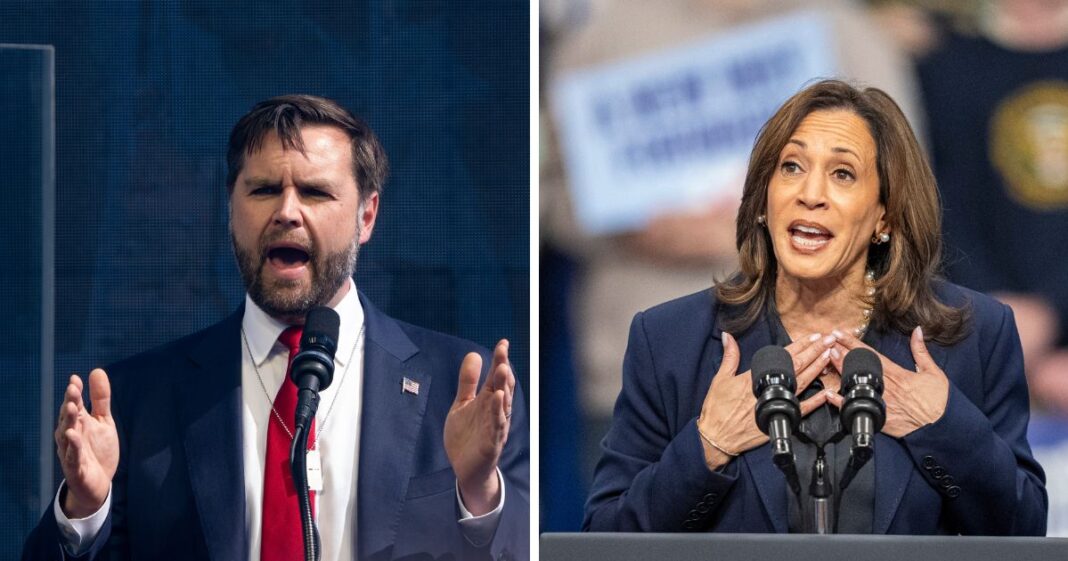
282, 538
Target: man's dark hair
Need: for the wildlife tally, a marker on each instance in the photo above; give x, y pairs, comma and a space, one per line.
285, 115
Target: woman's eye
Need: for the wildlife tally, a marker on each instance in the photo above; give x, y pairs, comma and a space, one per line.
844, 175
790, 167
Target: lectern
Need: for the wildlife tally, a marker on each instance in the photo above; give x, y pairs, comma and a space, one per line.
782, 547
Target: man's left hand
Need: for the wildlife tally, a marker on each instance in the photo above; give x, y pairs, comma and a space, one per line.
477, 428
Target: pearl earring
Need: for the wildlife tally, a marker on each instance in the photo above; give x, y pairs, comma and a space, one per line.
881, 238
761, 219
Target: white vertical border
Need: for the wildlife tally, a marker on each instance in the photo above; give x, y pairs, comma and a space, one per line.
535, 245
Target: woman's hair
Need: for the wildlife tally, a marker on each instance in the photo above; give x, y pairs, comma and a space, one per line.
905, 268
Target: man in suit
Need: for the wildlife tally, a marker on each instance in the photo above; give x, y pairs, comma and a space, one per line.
184, 451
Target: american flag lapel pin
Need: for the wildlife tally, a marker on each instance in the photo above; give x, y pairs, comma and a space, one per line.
410, 386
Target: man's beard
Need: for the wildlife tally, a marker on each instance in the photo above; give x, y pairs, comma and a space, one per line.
277, 297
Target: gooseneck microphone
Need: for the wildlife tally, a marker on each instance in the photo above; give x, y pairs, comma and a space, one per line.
863, 412
313, 367
312, 371
777, 410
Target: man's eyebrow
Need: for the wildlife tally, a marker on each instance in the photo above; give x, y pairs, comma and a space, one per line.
313, 183
261, 182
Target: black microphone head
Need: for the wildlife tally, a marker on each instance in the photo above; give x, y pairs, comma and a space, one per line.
769, 363
321, 327
862, 362
318, 343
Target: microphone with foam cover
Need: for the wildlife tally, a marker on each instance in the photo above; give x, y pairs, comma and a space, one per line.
863, 412
778, 412
312, 371
313, 366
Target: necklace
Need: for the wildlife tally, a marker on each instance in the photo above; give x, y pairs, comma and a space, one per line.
869, 295
267, 394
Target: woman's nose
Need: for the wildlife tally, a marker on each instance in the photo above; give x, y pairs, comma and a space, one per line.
813, 192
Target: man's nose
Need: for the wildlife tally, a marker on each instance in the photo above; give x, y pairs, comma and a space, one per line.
288, 213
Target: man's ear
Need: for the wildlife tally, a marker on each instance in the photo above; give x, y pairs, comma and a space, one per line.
368, 214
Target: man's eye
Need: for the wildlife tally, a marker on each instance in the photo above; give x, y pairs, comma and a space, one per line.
264, 191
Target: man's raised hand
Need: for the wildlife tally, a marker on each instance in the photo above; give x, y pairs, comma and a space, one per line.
87, 445
477, 428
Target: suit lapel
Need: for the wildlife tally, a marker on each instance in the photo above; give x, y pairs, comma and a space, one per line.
893, 464
210, 411
768, 479
389, 428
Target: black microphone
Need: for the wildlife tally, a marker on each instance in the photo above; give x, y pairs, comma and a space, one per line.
863, 411
312, 371
313, 367
778, 412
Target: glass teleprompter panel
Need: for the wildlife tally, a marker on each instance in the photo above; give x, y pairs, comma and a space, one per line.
27, 200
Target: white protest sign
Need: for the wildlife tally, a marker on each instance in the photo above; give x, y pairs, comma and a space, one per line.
674, 128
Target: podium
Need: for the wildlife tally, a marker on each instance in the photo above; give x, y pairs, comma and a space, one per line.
795, 547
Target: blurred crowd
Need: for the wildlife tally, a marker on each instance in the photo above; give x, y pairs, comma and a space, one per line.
985, 85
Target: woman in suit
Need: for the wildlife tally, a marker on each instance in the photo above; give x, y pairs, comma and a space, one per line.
839, 243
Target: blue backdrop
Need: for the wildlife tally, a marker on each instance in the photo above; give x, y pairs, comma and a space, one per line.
146, 93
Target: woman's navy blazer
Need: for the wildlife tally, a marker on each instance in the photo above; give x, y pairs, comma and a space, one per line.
971, 472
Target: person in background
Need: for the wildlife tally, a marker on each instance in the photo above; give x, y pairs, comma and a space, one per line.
994, 78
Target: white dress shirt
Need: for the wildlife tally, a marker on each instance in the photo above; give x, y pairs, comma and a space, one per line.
337, 422
264, 361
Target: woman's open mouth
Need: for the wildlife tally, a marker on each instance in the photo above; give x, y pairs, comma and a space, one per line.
809, 237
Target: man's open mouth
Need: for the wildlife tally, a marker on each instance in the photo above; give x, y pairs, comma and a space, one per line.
287, 256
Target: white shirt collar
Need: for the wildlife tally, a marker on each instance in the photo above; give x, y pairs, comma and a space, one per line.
262, 330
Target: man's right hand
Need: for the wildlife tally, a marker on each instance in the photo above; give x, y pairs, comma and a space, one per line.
87, 445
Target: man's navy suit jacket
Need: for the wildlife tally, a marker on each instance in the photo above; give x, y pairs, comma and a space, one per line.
179, 491
971, 472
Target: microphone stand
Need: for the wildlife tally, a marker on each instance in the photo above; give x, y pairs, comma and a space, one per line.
825, 503
298, 460
824, 515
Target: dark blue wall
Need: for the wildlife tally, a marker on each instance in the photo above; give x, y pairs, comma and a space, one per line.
146, 93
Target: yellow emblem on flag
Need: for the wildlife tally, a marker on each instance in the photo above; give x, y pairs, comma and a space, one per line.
1029, 144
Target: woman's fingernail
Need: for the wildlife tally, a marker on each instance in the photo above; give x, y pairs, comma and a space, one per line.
834, 353
826, 353
837, 334
829, 340
814, 337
